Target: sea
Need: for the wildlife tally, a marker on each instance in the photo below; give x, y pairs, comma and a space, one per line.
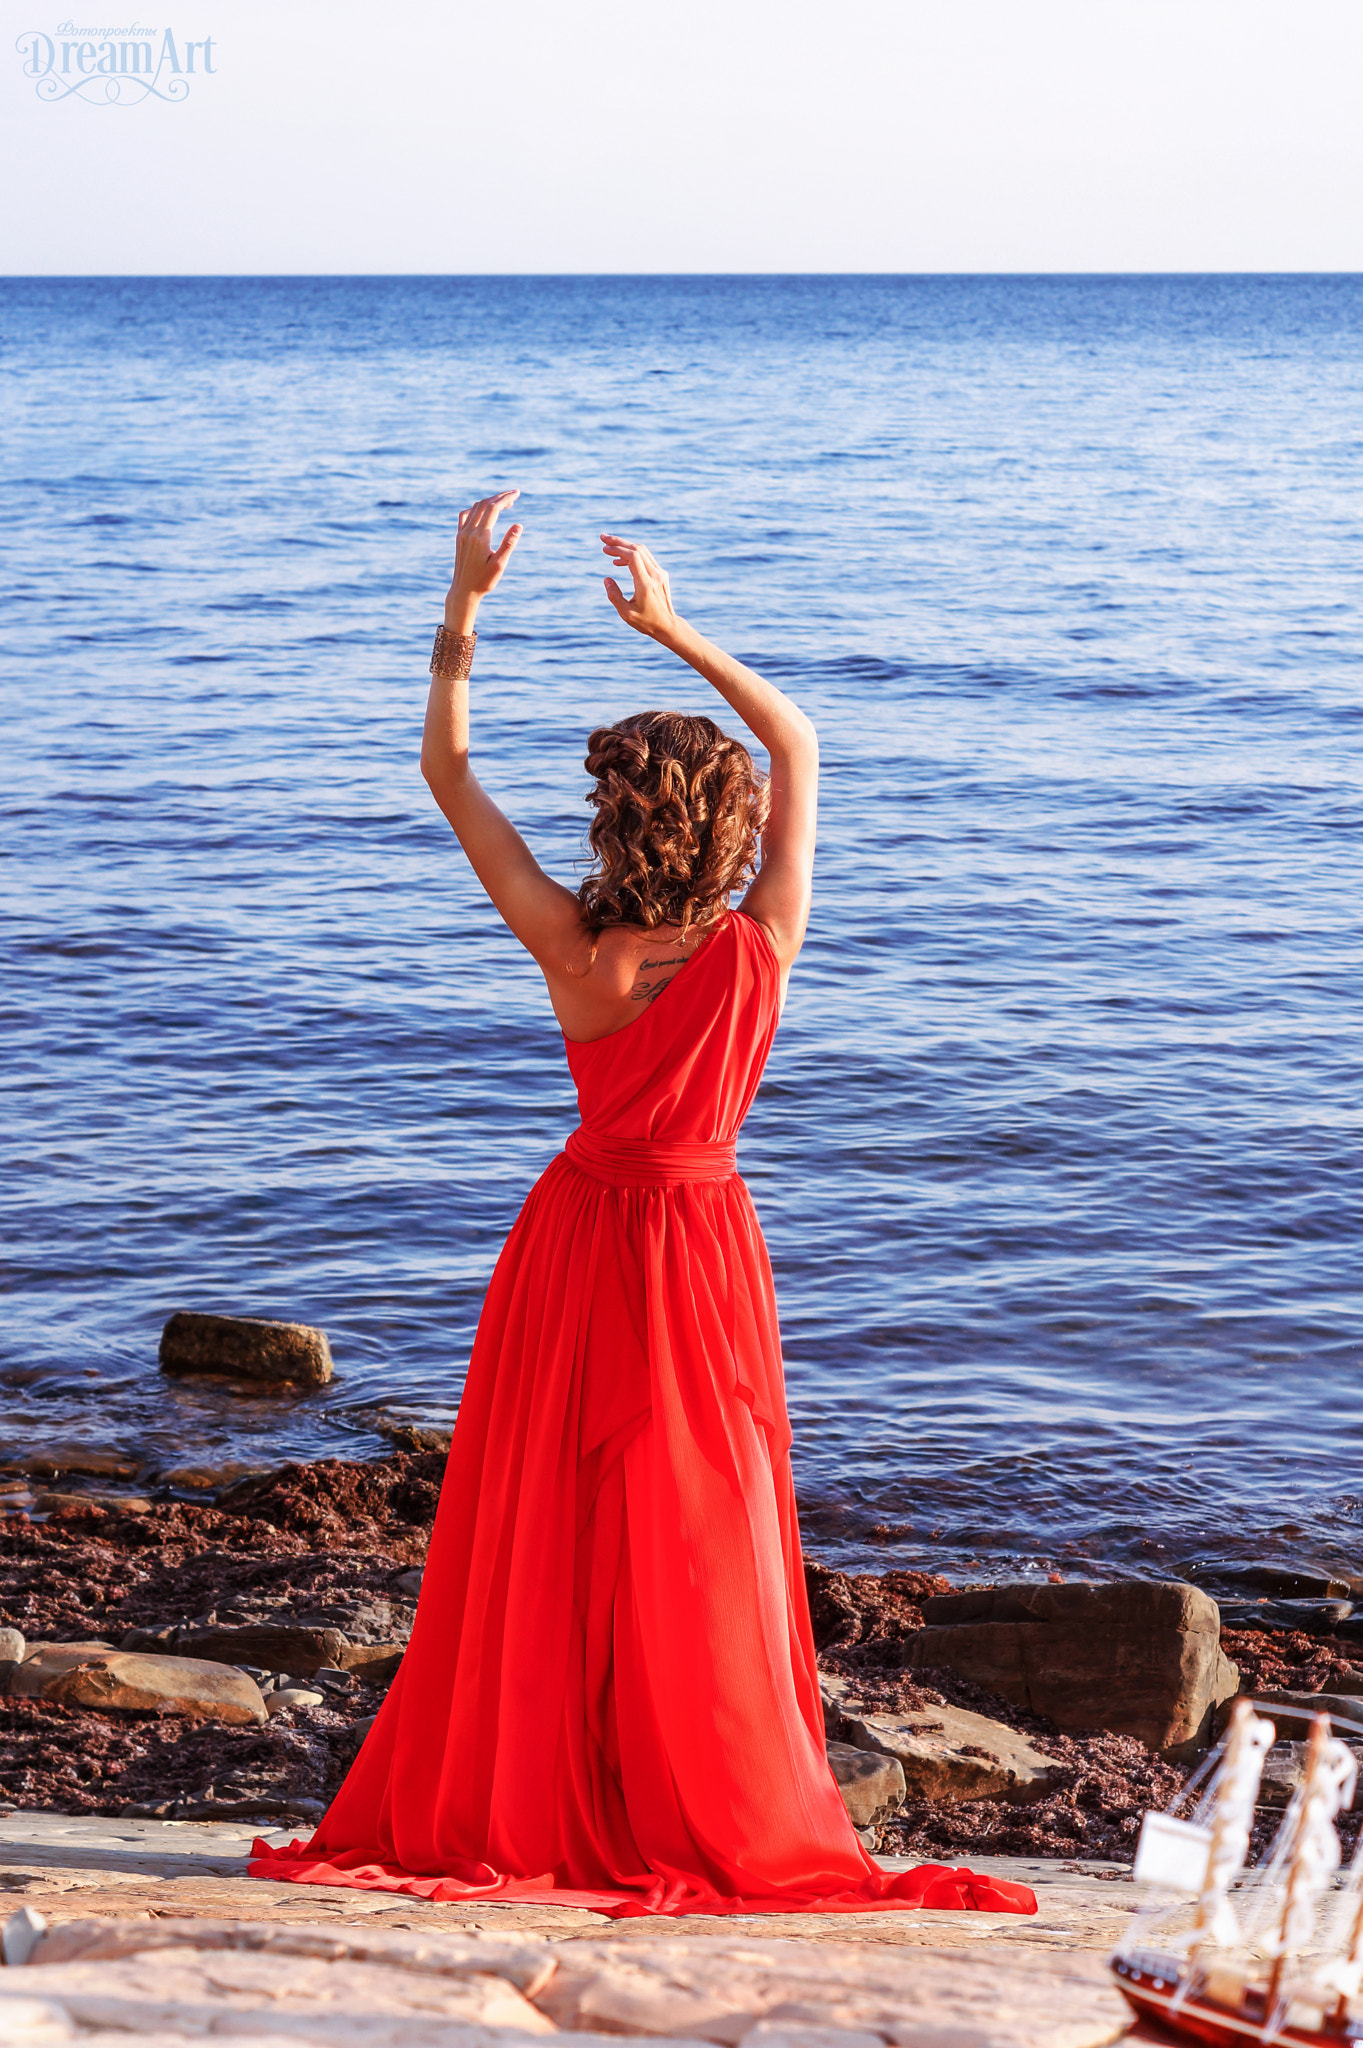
1057, 1153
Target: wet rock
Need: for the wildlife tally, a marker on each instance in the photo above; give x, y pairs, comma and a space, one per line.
94, 1676
246, 1348
1257, 1579
277, 1646
77, 1503
872, 1786
1133, 1657
946, 1753
11, 1650
209, 1478
1304, 1617
63, 1458
415, 1436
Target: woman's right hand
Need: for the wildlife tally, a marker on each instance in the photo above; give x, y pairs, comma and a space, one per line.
649, 610
478, 565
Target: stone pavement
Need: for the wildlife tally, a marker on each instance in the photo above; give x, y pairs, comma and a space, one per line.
154, 1931
68, 1868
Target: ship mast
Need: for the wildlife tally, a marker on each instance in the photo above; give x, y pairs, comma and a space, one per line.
1247, 1740
1353, 1956
1327, 1782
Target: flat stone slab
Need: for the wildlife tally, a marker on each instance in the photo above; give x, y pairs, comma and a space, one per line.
945, 1753
176, 1980
66, 1867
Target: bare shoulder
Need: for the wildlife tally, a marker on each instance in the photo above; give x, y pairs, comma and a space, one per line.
609, 980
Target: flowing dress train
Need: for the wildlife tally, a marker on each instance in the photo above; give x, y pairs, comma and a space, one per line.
609, 1699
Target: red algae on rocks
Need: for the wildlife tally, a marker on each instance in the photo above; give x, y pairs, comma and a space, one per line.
328, 1539
334, 1543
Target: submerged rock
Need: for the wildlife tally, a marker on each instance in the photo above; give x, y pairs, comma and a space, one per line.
246, 1348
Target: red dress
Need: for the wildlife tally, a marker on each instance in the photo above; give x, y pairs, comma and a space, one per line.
610, 1699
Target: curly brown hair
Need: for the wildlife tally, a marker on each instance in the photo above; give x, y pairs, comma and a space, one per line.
679, 810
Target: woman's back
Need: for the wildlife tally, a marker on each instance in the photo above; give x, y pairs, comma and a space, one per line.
687, 1068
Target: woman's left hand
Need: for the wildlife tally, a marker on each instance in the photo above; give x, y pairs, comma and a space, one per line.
649, 608
478, 565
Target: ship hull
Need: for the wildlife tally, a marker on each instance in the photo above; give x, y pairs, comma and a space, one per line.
1197, 2019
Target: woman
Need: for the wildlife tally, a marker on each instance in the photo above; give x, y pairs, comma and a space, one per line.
610, 1698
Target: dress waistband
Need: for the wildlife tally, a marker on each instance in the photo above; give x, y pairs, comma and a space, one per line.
648, 1162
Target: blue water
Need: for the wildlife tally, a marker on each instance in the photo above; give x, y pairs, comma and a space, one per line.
1058, 1152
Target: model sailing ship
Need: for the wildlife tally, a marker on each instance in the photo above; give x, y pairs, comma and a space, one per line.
1279, 1961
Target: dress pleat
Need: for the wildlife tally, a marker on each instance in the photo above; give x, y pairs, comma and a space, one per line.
610, 1696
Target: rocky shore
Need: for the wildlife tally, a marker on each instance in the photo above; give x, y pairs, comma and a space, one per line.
174, 1659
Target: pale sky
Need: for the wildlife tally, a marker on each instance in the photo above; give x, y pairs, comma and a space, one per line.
710, 135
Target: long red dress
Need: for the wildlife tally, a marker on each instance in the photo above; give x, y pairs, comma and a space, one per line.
609, 1698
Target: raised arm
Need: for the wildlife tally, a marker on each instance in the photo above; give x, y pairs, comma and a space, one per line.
779, 898
543, 914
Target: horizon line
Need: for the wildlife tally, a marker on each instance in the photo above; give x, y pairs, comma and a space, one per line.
669, 276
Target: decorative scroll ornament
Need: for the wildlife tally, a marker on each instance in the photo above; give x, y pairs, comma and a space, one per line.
121, 71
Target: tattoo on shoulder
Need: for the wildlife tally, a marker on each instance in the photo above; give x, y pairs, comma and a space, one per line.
645, 989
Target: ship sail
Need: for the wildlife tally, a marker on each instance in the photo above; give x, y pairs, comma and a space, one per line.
1235, 1788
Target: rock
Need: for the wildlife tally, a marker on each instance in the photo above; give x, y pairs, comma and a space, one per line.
947, 1753
721, 1990
59, 1656
1133, 1657
376, 1663
415, 1436
337, 1984
1283, 1769
408, 1584
21, 1934
1345, 1711
1268, 1578
76, 1503
290, 1696
872, 1786
278, 1646
210, 1478
35, 2020
11, 1648
245, 1348
90, 1464
1305, 1617
107, 1680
